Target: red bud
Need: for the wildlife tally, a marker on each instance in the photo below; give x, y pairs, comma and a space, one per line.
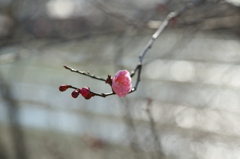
75, 93
90, 95
63, 88
86, 93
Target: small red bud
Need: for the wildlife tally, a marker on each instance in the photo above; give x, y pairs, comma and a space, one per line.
63, 88
75, 93
86, 93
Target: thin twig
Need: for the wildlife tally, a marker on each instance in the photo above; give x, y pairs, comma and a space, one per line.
94, 93
69, 86
103, 94
84, 73
135, 70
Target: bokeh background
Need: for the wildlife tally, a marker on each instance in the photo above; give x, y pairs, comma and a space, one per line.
187, 105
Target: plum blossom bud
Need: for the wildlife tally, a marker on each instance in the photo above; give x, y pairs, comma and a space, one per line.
86, 93
63, 88
121, 83
75, 93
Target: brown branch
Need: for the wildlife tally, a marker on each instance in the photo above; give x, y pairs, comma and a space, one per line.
84, 73
103, 94
94, 93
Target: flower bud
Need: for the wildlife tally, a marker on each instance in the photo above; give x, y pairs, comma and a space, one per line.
86, 93
63, 88
75, 93
122, 83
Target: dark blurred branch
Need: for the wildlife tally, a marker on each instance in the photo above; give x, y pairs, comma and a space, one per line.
131, 130
18, 138
118, 16
10, 12
157, 143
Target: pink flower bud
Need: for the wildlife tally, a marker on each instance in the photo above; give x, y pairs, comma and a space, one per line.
121, 83
63, 88
75, 93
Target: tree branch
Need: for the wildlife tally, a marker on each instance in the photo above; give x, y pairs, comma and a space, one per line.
157, 143
118, 16
84, 73
164, 24
94, 93
138, 68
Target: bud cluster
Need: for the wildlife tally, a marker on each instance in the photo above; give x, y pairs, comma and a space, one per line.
121, 84
85, 91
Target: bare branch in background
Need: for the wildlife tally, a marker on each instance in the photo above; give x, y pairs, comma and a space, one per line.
131, 129
120, 17
18, 137
157, 143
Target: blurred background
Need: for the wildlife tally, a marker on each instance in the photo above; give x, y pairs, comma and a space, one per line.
187, 105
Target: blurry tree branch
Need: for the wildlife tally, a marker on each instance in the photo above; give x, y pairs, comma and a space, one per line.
118, 16
157, 143
18, 139
131, 129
